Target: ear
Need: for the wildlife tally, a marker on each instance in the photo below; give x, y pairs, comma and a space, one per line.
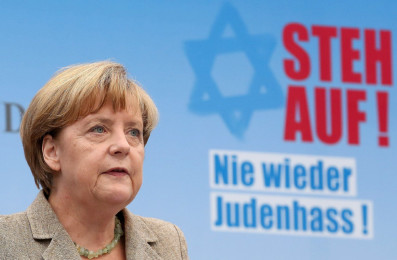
50, 154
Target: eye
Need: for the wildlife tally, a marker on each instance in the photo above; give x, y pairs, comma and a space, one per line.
134, 132
98, 129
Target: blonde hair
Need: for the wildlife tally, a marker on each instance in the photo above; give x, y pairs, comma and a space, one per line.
72, 93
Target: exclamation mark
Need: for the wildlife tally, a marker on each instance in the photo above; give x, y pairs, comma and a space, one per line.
365, 211
383, 116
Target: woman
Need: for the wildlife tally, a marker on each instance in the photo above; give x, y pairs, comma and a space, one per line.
84, 135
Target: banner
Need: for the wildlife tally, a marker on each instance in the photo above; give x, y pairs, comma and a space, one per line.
277, 134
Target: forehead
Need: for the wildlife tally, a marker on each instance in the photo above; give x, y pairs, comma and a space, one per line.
129, 103
129, 111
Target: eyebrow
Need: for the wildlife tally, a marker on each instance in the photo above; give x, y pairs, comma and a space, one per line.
109, 121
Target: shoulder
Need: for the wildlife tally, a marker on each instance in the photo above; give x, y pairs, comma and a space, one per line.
12, 229
169, 235
13, 225
164, 229
169, 240
161, 228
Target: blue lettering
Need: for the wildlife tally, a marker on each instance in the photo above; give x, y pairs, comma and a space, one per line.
221, 170
316, 183
283, 214
365, 218
271, 176
347, 172
333, 178
287, 182
234, 169
223, 176
247, 170
298, 210
250, 214
299, 176
348, 227
218, 222
333, 224
232, 221
316, 223
266, 216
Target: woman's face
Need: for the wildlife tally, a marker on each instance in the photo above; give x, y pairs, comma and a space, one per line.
100, 157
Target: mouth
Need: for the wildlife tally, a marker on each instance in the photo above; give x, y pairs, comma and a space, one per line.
118, 171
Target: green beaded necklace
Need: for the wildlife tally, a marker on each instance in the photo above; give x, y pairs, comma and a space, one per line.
118, 233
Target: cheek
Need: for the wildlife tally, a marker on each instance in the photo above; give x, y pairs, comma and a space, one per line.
137, 158
138, 172
76, 161
138, 168
136, 184
138, 181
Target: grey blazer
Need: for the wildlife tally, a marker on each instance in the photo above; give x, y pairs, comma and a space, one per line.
37, 234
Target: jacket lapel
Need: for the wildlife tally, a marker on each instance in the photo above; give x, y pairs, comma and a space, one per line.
139, 238
61, 247
46, 226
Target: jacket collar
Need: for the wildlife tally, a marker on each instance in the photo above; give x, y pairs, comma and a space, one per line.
139, 239
45, 225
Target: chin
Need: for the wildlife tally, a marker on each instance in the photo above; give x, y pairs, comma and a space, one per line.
119, 197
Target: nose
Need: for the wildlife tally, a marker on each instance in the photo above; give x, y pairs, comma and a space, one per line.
119, 144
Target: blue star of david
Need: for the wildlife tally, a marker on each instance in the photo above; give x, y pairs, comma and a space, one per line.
264, 91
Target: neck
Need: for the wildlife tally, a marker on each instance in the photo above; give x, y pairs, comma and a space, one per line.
91, 226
